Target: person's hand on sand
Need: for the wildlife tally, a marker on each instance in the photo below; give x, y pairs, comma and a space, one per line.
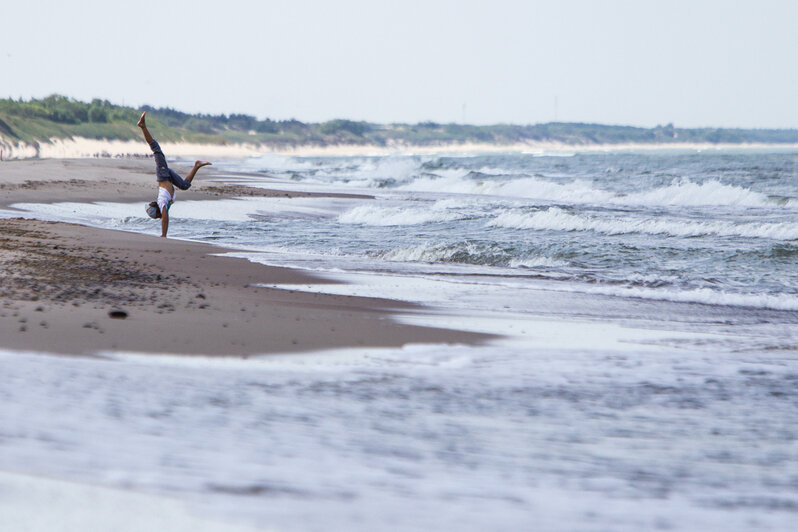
200, 164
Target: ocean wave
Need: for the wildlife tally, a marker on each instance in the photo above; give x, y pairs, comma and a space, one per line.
687, 193
376, 172
387, 216
556, 219
475, 253
424, 174
680, 192
536, 262
706, 296
468, 253
578, 191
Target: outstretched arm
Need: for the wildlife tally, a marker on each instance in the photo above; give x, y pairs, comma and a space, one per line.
164, 221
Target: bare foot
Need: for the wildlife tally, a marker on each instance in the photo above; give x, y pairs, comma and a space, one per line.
200, 164
141, 120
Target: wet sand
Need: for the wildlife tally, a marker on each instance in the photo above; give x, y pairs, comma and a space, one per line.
71, 289
85, 180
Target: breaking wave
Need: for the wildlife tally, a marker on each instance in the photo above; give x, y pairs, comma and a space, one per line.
687, 193
680, 192
705, 296
522, 187
557, 219
387, 216
477, 253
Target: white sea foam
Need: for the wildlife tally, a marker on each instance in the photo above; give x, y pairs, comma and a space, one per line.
265, 443
421, 253
275, 162
385, 216
680, 192
428, 252
578, 191
687, 193
91, 213
408, 173
399, 168
81, 147
557, 219
366, 172
38, 504
466, 253
705, 296
537, 262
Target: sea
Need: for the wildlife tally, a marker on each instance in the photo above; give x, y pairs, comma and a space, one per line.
644, 373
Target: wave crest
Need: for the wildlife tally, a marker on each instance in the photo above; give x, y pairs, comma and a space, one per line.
689, 194
387, 216
477, 253
680, 192
557, 219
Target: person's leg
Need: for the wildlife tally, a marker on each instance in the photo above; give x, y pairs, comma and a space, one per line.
161, 168
197, 166
184, 184
179, 182
143, 125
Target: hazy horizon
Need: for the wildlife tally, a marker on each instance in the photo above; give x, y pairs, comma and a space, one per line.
693, 64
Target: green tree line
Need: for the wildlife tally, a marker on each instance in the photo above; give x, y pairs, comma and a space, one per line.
57, 116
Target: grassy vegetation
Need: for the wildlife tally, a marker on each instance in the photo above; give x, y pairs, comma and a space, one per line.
39, 120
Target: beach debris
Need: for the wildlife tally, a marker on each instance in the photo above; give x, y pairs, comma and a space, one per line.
117, 314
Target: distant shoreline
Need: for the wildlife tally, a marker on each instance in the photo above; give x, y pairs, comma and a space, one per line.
61, 127
85, 148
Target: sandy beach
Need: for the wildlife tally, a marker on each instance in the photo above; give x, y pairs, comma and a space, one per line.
77, 290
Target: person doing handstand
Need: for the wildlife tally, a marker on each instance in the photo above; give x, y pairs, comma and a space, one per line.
167, 178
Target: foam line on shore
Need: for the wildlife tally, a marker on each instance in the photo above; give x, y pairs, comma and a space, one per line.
82, 147
24, 496
465, 295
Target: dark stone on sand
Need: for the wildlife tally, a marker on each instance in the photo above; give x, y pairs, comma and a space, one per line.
117, 314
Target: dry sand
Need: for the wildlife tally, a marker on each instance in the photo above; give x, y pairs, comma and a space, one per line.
59, 283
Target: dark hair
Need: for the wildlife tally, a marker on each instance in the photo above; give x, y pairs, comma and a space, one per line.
155, 204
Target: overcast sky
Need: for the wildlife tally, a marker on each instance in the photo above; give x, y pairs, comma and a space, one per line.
694, 63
